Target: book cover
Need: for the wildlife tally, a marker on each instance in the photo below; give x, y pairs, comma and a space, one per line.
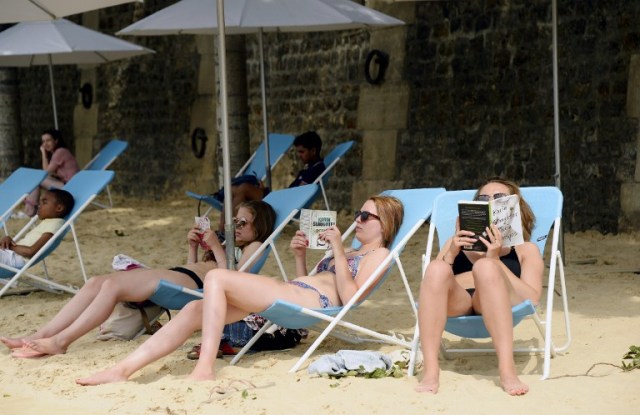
475, 216
314, 222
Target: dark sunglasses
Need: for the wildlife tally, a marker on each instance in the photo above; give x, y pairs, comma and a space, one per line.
486, 198
364, 215
240, 223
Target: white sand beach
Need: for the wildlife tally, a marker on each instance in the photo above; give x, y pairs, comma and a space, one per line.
603, 277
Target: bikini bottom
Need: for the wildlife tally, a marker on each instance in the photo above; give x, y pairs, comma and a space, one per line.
324, 300
189, 274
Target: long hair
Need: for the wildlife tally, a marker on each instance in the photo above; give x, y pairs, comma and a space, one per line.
528, 218
391, 213
264, 217
57, 136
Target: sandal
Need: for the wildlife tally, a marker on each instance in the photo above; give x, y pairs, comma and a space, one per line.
194, 353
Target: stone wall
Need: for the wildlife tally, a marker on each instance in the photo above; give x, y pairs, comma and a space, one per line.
481, 79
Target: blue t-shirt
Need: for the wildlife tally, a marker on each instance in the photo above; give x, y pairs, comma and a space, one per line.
309, 174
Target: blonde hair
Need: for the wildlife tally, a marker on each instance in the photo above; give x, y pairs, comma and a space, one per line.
391, 213
528, 218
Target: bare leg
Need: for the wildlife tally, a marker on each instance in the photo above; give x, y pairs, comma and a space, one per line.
230, 296
171, 336
494, 298
440, 295
94, 303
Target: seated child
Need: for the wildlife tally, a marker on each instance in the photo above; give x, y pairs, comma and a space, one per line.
55, 204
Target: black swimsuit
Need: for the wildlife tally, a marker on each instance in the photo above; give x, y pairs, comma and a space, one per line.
461, 264
189, 274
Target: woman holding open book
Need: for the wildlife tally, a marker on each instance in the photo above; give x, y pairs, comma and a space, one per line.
230, 295
464, 282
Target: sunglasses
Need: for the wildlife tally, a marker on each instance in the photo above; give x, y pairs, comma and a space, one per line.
240, 223
364, 215
486, 198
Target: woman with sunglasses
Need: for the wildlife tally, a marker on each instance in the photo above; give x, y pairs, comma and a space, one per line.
230, 295
95, 301
460, 282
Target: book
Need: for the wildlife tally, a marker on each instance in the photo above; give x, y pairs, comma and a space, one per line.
314, 222
475, 216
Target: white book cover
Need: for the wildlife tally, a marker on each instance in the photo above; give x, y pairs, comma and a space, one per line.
314, 222
505, 214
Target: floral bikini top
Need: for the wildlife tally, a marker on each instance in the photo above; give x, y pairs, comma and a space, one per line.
352, 262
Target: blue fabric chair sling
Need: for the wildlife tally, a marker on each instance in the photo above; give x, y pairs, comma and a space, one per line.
103, 160
84, 186
15, 189
279, 144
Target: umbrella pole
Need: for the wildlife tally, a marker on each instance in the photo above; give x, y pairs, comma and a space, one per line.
265, 129
229, 230
556, 109
53, 94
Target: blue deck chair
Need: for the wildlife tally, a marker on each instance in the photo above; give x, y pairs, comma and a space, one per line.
103, 160
546, 203
84, 186
15, 189
330, 161
286, 203
417, 209
279, 144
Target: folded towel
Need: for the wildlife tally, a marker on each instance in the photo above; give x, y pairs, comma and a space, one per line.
357, 361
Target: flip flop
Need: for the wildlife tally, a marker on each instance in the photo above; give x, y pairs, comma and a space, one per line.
26, 352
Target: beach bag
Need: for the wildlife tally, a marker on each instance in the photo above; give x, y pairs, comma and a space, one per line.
129, 319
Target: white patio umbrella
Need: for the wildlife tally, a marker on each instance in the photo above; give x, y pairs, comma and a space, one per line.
61, 42
14, 11
258, 16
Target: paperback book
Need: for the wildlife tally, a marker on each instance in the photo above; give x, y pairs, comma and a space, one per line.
314, 222
476, 216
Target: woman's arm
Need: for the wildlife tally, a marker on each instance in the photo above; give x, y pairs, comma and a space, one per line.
529, 285
247, 252
211, 239
298, 245
193, 239
45, 161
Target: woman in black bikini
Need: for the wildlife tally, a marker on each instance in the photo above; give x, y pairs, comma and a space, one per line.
96, 299
230, 295
461, 282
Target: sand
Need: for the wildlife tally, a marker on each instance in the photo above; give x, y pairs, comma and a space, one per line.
604, 298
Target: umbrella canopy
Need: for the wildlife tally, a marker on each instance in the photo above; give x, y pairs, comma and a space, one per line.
258, 16
61, 42
28, 10
252, 16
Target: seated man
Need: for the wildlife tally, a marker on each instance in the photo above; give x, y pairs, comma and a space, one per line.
248, 187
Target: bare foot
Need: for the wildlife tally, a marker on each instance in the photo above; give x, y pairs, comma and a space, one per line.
12, 342
430, 380
45, 346
513, 386
427, 387
202, 374
111, 375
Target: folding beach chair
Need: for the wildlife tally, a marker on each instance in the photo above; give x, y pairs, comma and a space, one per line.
103, 160
546, 203
84, 186
279, 144
417, 209
286, 203
15, 189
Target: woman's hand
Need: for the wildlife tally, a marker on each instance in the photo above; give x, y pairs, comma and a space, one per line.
193, 237
459, 240
299, 244
333, 236
209, 239
494, 243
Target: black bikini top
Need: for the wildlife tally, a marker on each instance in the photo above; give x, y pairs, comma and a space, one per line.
462, 264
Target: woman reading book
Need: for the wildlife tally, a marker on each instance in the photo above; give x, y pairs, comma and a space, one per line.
95, 301
461, 282
230, 296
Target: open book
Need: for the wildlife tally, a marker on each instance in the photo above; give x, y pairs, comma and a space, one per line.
314, 222
476, 216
